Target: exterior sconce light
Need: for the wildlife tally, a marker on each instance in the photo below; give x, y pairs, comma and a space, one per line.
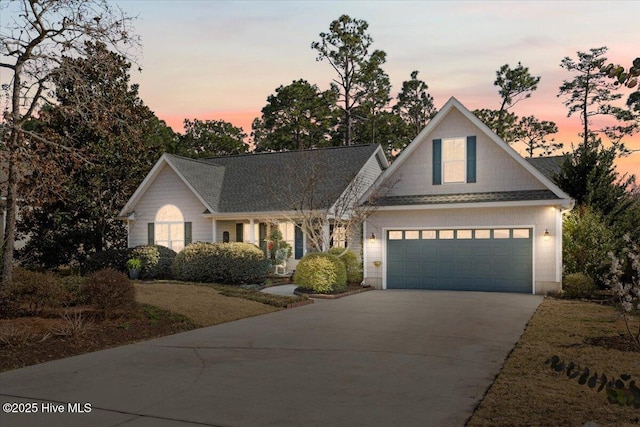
372, 239
546, 235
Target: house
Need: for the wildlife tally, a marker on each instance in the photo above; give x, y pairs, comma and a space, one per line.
467, 212
462, 209
238, 198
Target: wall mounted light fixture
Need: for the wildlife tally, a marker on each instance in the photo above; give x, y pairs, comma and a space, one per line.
546, 235
372, 239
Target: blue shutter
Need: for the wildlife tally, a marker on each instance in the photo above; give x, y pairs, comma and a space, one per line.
187, 233
437, 162
471, 159
298, 243
151, 234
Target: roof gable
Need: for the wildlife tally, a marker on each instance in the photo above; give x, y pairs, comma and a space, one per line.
452, 116
267, 182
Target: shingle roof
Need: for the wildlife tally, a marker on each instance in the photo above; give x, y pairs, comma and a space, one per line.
548, 166
274, 181
496, 196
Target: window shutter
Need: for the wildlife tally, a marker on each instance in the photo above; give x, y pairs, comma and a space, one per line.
471, 159
151, 234
187, 233
298, 243
437, 162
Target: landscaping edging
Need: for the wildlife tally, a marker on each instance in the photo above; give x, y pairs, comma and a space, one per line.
300, 303
332, 296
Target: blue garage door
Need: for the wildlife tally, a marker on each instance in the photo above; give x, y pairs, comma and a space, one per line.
499, 260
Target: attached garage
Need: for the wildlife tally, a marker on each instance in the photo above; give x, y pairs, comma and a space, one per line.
496, 259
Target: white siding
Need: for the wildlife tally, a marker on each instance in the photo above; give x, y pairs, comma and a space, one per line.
546, 257
496, 170
168, 188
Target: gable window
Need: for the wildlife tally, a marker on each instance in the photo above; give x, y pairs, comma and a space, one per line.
170, 229
454, 160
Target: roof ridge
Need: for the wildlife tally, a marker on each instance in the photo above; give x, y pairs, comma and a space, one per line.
201, 161
253, 153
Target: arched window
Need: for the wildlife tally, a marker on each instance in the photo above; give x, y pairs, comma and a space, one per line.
170, 227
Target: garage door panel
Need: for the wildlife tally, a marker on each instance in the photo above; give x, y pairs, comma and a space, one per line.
503, 265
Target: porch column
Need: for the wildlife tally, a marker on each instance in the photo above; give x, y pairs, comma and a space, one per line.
326, 236
214, 230
252, 232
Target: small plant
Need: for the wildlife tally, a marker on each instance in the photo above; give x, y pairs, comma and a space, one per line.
578, 285
134, 264
155, 261
618, 390
13, 336
75, 326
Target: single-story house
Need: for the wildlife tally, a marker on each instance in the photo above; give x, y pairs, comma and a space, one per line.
467, 213
461, 209
238, 198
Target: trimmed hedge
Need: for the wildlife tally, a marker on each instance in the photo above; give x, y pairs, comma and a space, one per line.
156, 261
322, 273
351, 263
231, 263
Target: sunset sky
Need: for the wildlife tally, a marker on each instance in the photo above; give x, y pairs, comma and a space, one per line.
221, 59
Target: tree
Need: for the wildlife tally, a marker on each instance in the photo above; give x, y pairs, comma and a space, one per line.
35, 36
515, 85
296, 117
589, 176
345, 47
210, 138
533, 134
98, 114
591, 94
415, 105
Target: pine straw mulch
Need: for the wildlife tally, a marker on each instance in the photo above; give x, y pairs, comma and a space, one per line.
527, 392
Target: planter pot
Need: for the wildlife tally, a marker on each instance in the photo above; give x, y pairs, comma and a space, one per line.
134, 274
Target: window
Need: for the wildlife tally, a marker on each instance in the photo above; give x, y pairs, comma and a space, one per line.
395, 235
428, 234
445, 234
454, 164
483, 234
520, 233
412, 235
501, 233
170, 228
463, 234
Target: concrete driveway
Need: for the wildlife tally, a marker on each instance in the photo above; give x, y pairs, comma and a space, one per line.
380, 358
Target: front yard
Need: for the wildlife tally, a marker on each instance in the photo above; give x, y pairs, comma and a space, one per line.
162, 309
529, 392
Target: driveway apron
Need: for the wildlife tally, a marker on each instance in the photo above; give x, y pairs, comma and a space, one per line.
380, 358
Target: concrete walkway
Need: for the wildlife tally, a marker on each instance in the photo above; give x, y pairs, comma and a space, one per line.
381, 358
285, 290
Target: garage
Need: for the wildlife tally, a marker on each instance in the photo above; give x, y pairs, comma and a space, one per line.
495, 259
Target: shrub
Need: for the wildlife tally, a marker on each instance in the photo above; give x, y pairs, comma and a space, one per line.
321, 272
155, 261
578, 285
109, 290
110, 258
586, 241
37, 290
351, 263
73, 286
232, 263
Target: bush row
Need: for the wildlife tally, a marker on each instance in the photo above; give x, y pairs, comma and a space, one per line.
107, 290
155, 260
231, 263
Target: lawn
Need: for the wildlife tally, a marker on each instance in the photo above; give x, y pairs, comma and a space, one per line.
528, 392
162, 309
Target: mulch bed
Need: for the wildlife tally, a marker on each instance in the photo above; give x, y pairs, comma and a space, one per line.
621, 342
28, 341
351, 290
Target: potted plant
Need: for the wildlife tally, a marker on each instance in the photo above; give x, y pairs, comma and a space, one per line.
134, 265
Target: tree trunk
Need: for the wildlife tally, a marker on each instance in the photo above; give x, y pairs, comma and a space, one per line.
10, 229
